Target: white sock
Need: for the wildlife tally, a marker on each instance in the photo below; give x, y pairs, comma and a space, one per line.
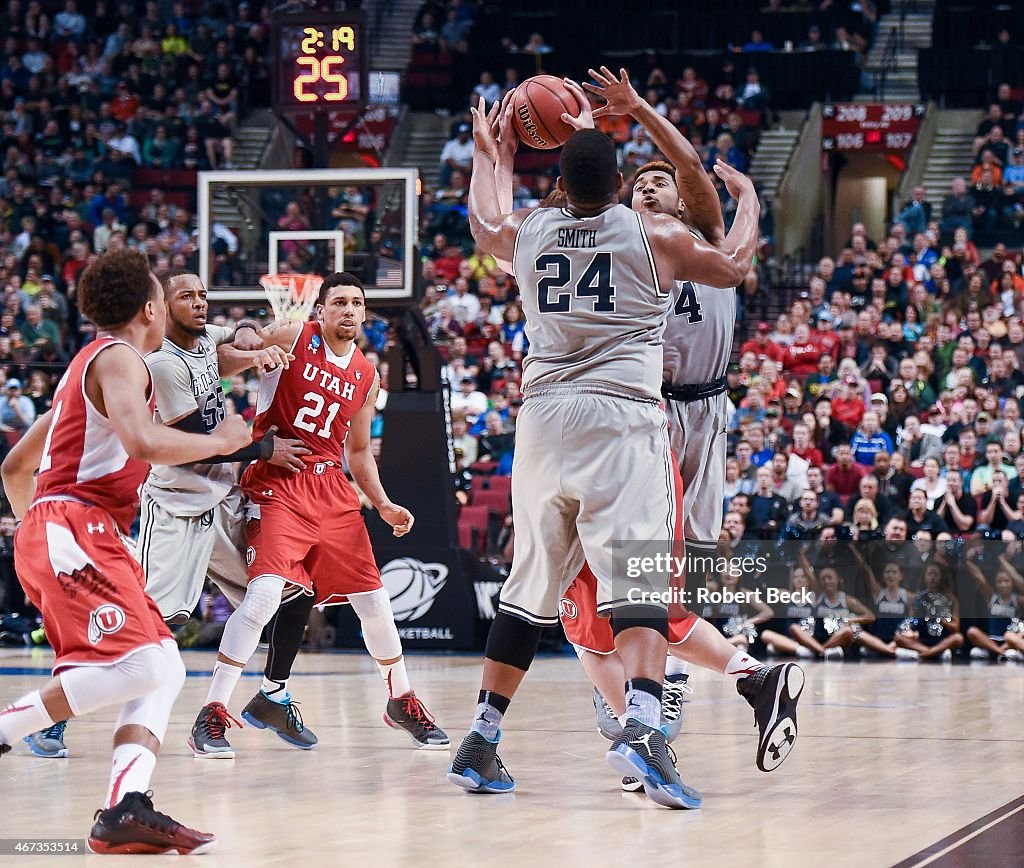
23, 717
276, 690
741, 665
675, 666
225, 679
131, 772
395, 677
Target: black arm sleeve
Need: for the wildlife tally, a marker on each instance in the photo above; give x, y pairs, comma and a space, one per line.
260, 449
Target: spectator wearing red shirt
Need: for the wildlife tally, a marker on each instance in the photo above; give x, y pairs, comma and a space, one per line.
801, 358
969, 455
826, 337
848, 407
761, 346
446, 266
843, 477
804, 448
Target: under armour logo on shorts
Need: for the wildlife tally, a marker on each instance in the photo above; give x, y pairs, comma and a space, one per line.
95, 528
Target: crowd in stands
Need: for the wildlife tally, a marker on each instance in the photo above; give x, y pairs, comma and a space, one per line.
93, 96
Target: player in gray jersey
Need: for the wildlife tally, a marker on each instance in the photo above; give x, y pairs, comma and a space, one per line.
698, 344
592, 462
192, 520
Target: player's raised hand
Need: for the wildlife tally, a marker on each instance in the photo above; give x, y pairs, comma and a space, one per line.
398, 517
484, 123
736, 182
619, 94
508, 139
287, 452
584, 119
270, 358
231, 435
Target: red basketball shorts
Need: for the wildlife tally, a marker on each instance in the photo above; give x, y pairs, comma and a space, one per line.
78, 572
308, 529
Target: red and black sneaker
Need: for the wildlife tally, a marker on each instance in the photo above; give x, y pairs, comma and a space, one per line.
408, 713
207, 739
133, 826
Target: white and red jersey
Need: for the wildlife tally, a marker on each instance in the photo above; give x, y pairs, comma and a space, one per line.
83, 458
317, 397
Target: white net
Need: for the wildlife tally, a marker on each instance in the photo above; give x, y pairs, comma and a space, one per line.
292, 296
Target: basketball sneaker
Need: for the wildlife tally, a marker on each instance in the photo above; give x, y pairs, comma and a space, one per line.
207, 739
133, 826
4, 748
631, 784
409, 714
478, 768
773, 692
607, 723
281, 717
907, 654
1014, 655
673, 693
980, 654
643, 752
48, 743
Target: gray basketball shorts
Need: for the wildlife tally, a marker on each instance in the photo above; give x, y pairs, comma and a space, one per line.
589, 470
178, 553
699, 442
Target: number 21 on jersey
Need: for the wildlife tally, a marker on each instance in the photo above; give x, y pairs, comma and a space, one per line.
308, 417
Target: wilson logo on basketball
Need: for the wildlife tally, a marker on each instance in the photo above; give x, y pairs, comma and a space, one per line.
529, 127
568, 608
412, 586
105, 620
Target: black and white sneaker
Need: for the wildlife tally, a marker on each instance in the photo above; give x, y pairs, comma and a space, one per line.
478, 768
207, 740
409, 714
607, 723
631, 784
642, 752
673, 694
773, 692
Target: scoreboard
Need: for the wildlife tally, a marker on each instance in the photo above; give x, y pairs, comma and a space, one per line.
878, 127
320, 61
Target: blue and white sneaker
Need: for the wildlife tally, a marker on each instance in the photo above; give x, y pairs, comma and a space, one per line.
48, 743
643, 752
280, 716
477, 767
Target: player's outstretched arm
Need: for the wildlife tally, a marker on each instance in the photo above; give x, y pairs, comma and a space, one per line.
364, 468
22, 462
116, 383
504, 165
232, 360
493, 230
695, 187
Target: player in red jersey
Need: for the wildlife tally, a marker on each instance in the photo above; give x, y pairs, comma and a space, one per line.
306, 531
92, 451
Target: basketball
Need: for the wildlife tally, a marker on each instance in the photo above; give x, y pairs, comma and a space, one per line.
538, 104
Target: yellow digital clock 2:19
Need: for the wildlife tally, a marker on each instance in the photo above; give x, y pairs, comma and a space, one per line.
320, 61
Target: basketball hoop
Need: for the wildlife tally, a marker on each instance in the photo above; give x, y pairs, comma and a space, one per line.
292, 296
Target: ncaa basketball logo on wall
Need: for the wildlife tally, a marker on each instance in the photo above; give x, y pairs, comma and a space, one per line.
412, 586
105, 620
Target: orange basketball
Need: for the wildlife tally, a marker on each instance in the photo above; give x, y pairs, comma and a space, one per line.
537, 106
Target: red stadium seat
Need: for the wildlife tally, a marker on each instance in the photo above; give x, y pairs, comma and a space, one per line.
492, 483
496, 501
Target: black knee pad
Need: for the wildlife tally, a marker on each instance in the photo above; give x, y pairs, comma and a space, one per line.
651, 617
513, 641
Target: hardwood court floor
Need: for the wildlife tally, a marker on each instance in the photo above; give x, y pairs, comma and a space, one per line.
891, 758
